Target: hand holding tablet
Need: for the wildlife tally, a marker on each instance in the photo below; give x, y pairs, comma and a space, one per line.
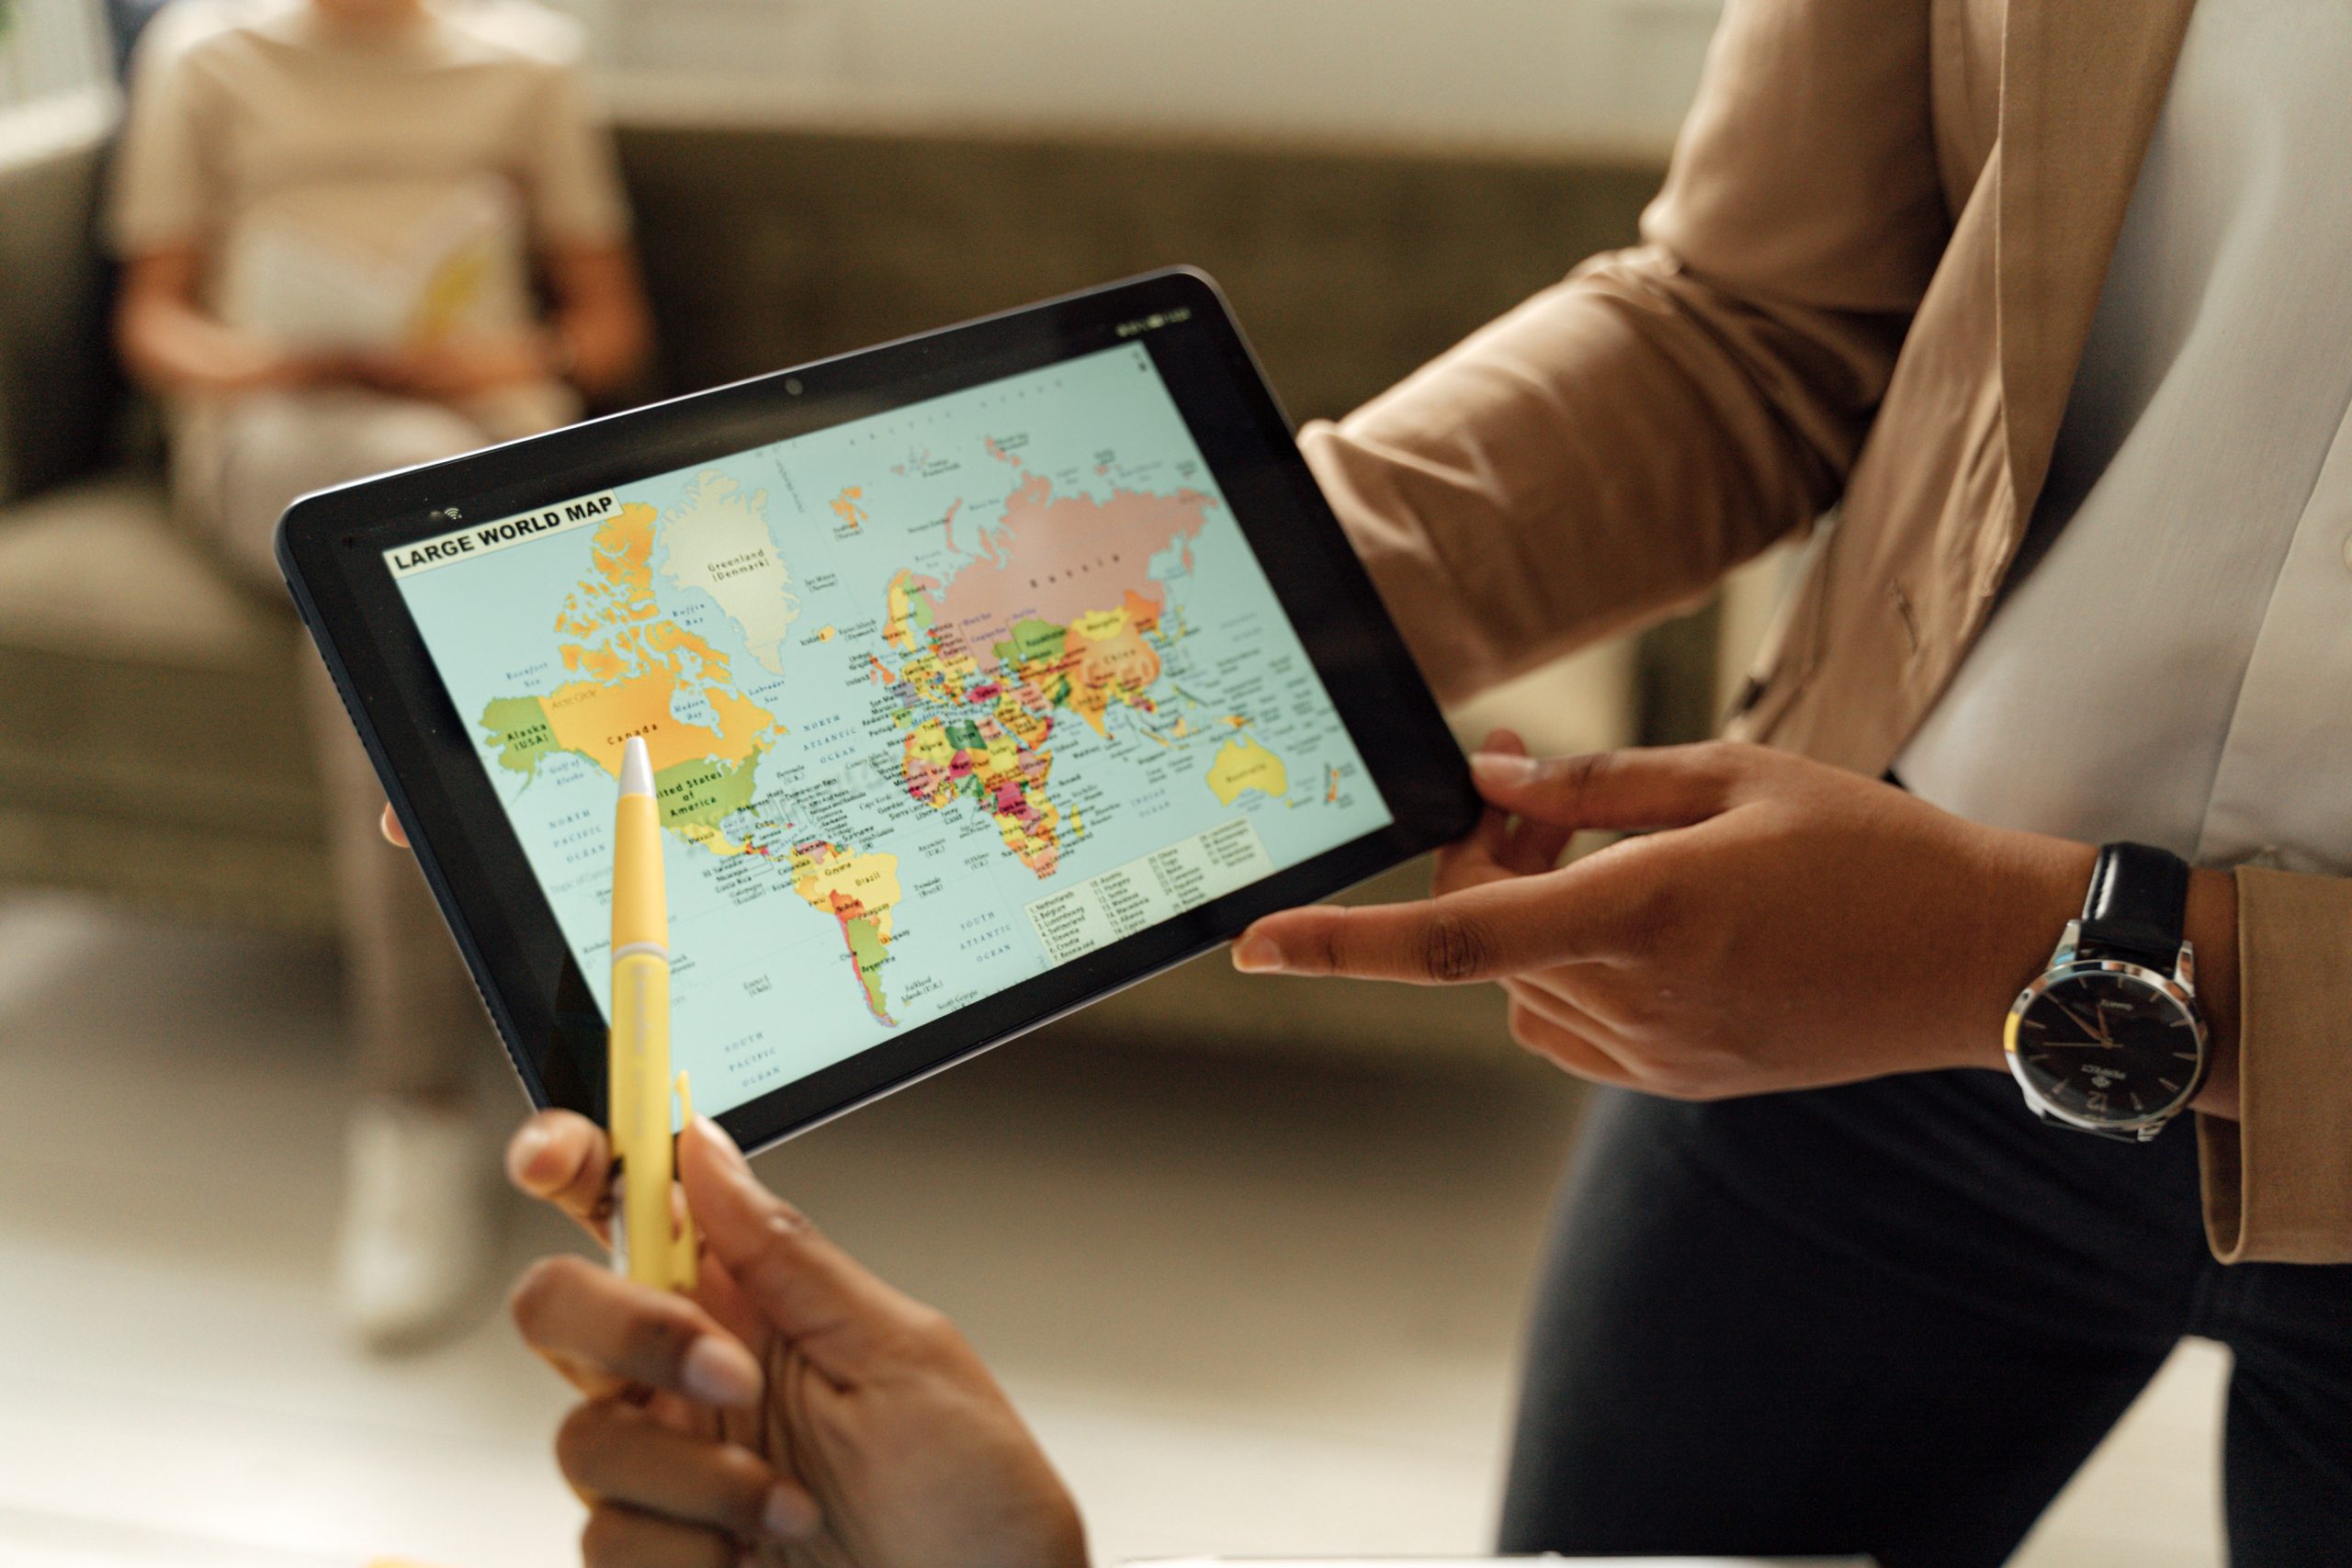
980, 674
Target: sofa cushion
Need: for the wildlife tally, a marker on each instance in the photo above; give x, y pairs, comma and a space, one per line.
99, 567
784, 233
152, 737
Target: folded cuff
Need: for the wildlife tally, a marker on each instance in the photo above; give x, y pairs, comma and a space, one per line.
2279, 1179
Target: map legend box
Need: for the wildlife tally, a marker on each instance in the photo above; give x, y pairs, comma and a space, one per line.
1149, 889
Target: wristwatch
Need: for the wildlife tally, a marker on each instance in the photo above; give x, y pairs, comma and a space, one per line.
2110, 1038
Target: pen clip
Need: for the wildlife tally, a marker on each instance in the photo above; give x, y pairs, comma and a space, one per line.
682, 1269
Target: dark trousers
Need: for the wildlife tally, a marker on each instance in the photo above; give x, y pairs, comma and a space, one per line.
1894, 1318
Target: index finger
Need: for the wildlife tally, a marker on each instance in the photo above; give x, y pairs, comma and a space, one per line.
1595, 908
608, 1333
563, 1158
1472, 933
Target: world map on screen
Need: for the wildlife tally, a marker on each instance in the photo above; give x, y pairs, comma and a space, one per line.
935, 700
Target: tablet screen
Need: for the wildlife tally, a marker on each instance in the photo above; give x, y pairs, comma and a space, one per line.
937, 700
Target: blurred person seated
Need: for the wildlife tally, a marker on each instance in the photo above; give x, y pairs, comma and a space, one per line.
338, 219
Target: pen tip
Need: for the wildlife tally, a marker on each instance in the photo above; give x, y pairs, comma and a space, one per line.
637, 767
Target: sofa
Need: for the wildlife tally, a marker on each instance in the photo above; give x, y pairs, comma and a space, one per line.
150, 745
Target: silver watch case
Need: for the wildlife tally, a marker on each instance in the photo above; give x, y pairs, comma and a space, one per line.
2066, 963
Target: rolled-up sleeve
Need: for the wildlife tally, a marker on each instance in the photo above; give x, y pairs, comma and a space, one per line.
1611, 449
2279, 1179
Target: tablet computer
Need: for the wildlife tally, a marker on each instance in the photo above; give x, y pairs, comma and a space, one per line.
983, 673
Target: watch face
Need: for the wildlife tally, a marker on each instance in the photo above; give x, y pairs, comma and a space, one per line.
2107, 1043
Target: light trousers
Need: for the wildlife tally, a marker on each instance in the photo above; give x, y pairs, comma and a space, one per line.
417, 1026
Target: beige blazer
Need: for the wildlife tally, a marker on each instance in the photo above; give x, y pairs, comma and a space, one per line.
1866, 284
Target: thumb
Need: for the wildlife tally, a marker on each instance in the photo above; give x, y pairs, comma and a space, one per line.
1629, 790
821, 1300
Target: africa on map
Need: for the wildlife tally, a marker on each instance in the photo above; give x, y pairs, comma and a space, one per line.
935, 700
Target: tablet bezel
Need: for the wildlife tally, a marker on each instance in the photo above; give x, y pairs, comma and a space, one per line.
331, 547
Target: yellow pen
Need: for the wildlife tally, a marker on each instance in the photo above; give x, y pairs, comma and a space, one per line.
646, 1245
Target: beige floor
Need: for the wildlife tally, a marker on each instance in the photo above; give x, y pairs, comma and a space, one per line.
1250, 1307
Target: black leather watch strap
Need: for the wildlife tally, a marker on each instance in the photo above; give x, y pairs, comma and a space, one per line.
2137, 904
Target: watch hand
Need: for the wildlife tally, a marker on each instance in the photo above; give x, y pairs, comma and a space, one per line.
2098, 1035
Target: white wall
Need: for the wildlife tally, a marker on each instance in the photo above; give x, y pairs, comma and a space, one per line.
1606, 71
1611, 73
49, 46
